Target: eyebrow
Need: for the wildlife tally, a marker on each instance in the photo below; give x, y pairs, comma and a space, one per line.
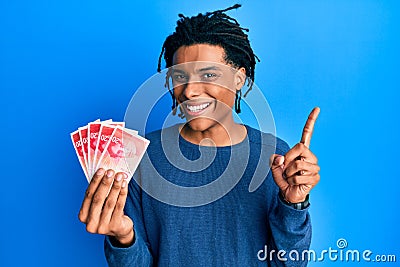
178, 70
198, 70
209, 68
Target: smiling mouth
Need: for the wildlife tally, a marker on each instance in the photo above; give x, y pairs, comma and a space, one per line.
196, 109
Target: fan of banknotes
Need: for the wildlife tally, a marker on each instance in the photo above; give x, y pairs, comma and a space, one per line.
108, 145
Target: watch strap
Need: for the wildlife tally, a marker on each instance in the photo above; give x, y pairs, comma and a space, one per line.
298, 206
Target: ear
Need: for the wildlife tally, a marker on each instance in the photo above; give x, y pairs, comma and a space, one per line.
240, 78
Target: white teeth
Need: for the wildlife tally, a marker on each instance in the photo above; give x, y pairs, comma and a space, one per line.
198, 107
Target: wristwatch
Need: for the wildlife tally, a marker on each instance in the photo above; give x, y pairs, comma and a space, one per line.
298, 206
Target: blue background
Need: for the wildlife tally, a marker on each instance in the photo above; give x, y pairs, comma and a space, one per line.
65, 63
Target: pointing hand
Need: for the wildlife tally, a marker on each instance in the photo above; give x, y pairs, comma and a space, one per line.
296, 173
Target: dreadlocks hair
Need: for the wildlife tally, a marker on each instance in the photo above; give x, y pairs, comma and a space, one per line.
214, 28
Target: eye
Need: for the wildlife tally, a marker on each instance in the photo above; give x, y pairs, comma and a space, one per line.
179, 78
210, 76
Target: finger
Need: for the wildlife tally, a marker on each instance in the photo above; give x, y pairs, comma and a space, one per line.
310, 180
309, 127
301, 167
276, 163
112, 198
98, 202
299, 151
308, 156
94, 183
121, 221
120, 205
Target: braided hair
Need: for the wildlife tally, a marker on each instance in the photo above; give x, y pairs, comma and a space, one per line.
214, 28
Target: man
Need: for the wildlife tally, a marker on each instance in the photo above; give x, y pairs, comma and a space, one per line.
209, 57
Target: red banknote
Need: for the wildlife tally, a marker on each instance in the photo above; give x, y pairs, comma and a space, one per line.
108, 145
76, 140
94, 135
84, 140
123, 151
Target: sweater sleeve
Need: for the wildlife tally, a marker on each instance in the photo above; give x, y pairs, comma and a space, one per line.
290, 228
138, 254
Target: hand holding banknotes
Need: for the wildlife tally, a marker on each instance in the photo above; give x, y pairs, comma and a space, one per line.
103, 209
109, 154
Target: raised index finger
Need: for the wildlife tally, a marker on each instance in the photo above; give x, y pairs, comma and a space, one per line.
309, 127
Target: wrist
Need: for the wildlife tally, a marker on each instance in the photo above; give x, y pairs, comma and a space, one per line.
125, 240
301, 205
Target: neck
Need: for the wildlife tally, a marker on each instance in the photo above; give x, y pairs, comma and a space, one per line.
227, 134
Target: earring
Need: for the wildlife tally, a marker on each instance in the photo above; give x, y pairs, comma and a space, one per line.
174, 104
238, 97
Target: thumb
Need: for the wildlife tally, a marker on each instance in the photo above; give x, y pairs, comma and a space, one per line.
276, 162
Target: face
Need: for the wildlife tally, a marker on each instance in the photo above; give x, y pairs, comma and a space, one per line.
205, 85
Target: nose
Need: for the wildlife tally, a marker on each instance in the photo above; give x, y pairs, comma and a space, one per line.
192, 89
